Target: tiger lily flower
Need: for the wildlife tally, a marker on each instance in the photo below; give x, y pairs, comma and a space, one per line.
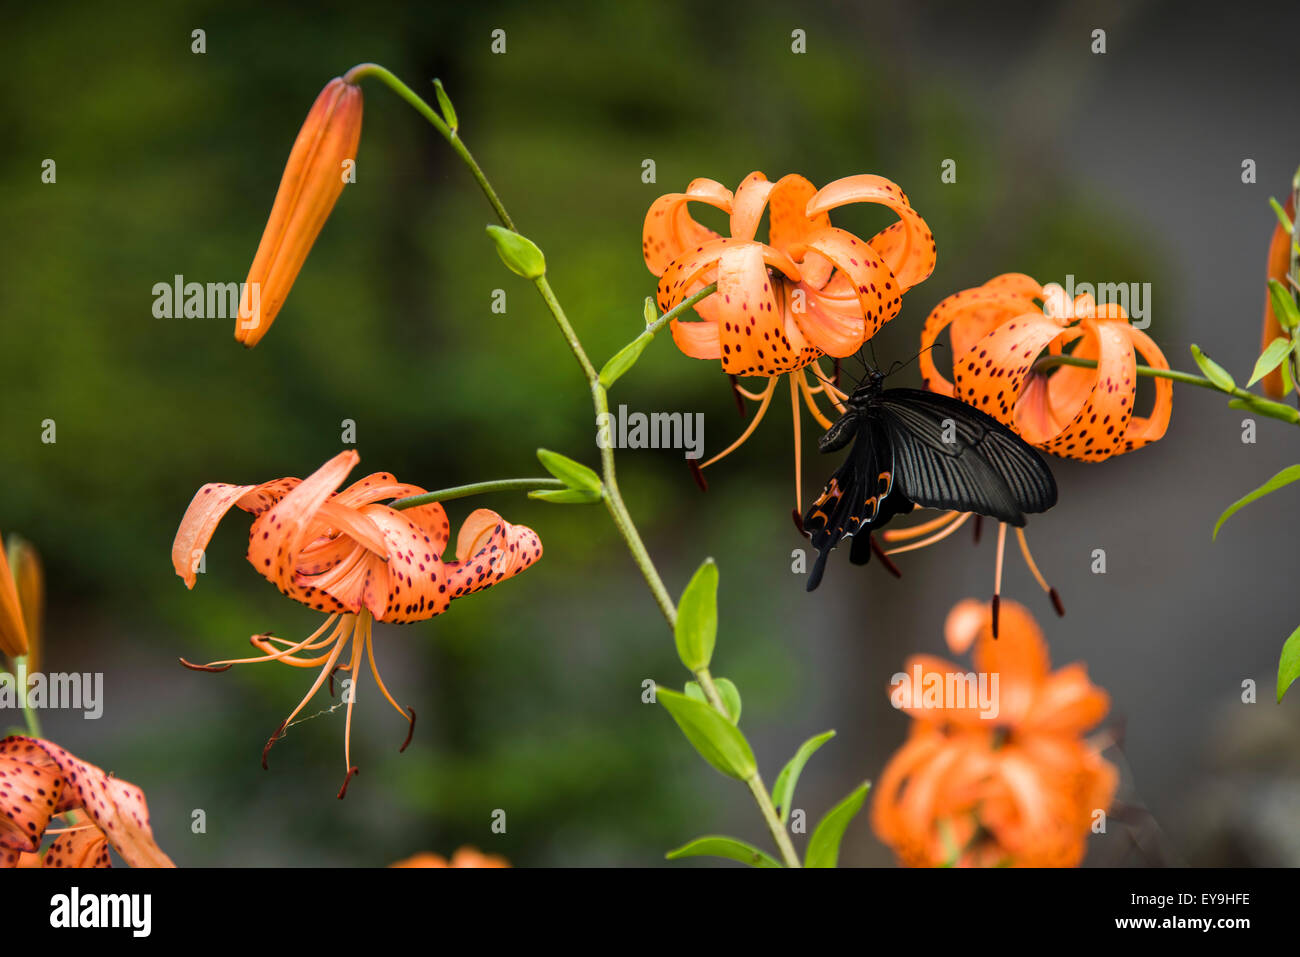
999, 330
346, 554
812, 290
464, 857
40, 781
1019, 788
312, 182
1279, 264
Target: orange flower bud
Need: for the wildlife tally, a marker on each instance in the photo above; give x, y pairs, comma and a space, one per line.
319, 166
1279, 261
13, 628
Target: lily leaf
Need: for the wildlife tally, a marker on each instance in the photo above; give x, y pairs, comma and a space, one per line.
1274, 410
571, 473
728, 847
824, 845
716, 739
1270, 359
566, 496
727, 691
624, 359
1213, 371
697, 618
783, 790
1284, 307
1288, 666
1285, 477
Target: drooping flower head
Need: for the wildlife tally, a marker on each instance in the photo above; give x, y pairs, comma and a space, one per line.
999, 330
1017, 784
812, 290
313, 179
40, 781
347, 554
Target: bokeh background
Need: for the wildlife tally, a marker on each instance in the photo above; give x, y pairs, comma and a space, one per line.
1117, 167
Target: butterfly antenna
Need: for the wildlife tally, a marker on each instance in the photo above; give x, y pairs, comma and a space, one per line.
1042, 582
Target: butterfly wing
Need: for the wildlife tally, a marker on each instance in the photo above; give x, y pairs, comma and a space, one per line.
860, 495
983, 466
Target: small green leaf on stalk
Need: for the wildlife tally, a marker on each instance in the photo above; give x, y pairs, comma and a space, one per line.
518, 252
1287, 383
824, 845
716, 739
727, 691
783, 790
651, 312
1285, 477
624, 359
1213, 371
1272, 357
1288, 666
1284, 307
444, 104
567, 496
697, 618
571, 473
1282, 217
730, 696
728, 847
1274, 410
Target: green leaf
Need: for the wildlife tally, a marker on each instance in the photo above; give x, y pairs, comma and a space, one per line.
697, 618
727, 691
783, 791
567, 496
1285, 477
519, 253
1288, 666
824, 845
624, 359
717, 846
571, 473
1284, 307
444, 104
1282, 217
1274, 410
1213, 371
1270, 359
716, 739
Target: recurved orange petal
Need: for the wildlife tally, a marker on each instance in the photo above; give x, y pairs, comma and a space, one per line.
907, 247
13, 627
669, 229
489, 550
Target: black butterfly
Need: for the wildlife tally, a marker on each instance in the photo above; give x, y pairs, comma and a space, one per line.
918, 448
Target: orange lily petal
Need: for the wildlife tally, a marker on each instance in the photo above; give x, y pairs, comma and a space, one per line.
789, 223
872, 282
1097, 429
87, 847
669, 229
205, 511
489, 550
991, 374
1146, 429
117, 808
907, 247
747, 209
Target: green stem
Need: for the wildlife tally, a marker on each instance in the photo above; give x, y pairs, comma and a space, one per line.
613, 497
478, 488
754, 782
654, 327
29, 716
363, 70
1051, 362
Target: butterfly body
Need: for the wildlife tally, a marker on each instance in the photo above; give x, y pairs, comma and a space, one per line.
914, 448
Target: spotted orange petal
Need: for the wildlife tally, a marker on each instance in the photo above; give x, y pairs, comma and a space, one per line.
87, 847
489, 550
669, 229
206, 510
907, 247
991, 374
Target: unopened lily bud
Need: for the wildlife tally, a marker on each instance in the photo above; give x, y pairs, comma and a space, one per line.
321, 162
